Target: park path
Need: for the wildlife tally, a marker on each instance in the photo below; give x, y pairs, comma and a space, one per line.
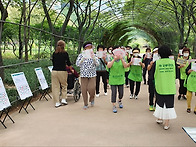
70, 125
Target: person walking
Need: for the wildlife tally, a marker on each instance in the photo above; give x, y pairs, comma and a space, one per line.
135, 74
186, 56
191, 85
60, 59
165, 77
151, 87
146, 58
116, 79
101, 70
87, 62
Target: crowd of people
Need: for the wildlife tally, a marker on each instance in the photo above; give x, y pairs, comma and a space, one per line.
122, 67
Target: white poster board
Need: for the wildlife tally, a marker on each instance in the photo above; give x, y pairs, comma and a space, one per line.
193, 67
87, 53
22, 86
50, 68
180, 52
149, 55
41, 78
119, 52
101, 54
136, 61
4, 100
156, 57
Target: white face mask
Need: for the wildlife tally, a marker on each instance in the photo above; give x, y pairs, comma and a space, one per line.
136, 54
109, 51
186, 54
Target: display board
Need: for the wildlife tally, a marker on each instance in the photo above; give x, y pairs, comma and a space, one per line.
22, 85
4, 100
41, 78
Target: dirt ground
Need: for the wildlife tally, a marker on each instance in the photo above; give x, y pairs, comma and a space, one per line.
70, 125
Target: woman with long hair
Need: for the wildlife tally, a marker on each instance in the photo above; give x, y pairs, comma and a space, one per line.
60, 60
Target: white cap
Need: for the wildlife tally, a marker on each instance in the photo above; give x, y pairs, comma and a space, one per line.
155, 49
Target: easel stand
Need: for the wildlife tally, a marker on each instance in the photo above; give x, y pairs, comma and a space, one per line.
45, 92
5, 111
28, 103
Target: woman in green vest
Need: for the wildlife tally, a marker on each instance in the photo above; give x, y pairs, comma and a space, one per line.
135, 74
164, 72
116, 79
191, 85
186, 56
127, 70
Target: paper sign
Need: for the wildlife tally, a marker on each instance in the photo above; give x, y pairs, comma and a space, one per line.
101, 54
50, 68
119, 52
136, 61
148, 55
181, 61
4, 100
156, 57
41, 78
22, 86
180, 52
191, 60
193, 67
171, 57
87, 53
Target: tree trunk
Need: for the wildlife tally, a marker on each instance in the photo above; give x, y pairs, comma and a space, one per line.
1, 59
25, 32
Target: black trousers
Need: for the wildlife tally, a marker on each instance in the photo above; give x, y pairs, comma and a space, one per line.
126, 78
138, 84
114, 89
102, 74
151, 90
144, 74
182, 89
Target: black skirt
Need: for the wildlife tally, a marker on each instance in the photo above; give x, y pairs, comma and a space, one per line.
168, 100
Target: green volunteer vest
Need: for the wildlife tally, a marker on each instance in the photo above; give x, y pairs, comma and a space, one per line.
135, 73
165, 77
191, 82
117, 74
126, 69
183, 70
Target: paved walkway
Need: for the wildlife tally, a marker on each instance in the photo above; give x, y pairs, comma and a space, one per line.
70, 125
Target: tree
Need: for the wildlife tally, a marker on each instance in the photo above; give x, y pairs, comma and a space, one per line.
58, 34
85, 19
4, 15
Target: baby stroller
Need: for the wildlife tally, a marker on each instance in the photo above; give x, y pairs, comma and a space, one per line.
73, 86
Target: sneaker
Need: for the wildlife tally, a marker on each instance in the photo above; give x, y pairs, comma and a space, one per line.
85, 107
120, 104
92, 103
184, 97
131, 96
136, 97
179, 97
64, 102
151, 108
97, 95
195, 112
154, 108
188, 110
105, 93
127, 86
159, 121
114, 109
166, 127
57, 104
